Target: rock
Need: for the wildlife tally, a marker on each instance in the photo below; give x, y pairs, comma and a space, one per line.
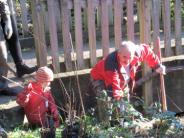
11, 114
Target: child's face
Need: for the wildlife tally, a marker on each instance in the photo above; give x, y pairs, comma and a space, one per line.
45, 84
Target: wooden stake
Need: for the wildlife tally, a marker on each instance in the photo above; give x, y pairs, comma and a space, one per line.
162, 83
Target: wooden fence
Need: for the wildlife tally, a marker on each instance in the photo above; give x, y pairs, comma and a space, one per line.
99, 22
77, 26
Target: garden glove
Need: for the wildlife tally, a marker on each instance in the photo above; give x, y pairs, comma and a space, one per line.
8, 28
118, 95
161, 69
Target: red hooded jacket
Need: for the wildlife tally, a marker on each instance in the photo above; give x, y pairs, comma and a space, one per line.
38, 104
108, 69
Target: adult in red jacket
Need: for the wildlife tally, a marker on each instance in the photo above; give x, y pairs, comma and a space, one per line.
37, 100
118, 69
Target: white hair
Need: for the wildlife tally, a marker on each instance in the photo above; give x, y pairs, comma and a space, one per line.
129, 46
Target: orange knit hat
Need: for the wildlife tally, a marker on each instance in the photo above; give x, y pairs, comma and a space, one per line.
44, 74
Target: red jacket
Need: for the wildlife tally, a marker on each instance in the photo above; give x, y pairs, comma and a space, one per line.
37, 104
108, 69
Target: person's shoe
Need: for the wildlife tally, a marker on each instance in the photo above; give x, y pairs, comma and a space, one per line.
23, 69
9, 91
3, 133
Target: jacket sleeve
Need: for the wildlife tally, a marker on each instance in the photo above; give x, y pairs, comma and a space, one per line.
53, 110
149, 56
114, 84
23, 97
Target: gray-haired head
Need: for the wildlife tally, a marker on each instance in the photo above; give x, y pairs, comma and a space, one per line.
126, 52
128, 46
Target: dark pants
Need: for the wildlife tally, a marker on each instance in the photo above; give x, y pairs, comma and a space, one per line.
107, 108
13, 42
104, 103
48, 129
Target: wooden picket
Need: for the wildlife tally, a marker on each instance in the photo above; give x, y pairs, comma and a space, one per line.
39, 32
145, 37
92, 31
178, 27
105, 27
78, 33
66, 34
156, 25
117, 23
130, 20
53, 36
167, 28
24, 18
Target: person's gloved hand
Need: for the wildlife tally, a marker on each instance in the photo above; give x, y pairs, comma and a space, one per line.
161, 69
118, 95
8, 28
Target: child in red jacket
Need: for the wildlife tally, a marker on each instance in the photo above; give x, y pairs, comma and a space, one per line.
37, 100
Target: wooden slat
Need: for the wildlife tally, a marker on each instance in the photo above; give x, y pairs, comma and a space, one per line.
72, 73
39, 32
178, 28
105, 27
167, 27
156, 25
83, 3
66, 34
24, 17
145, 27
130, 20
96, 3
57, 10
53, 36
117, 22
78, 34
70, 4
92, 32
145, 21
109, 2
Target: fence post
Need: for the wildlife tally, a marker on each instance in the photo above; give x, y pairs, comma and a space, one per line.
105, 27
53, 36
145, 28
155, 22
178, 28
24, 18
117, 22
167, 28
66, 34
91, 31
39, 32
78, 33
130, 19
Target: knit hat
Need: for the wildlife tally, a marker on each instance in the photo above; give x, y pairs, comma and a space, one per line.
44, 74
